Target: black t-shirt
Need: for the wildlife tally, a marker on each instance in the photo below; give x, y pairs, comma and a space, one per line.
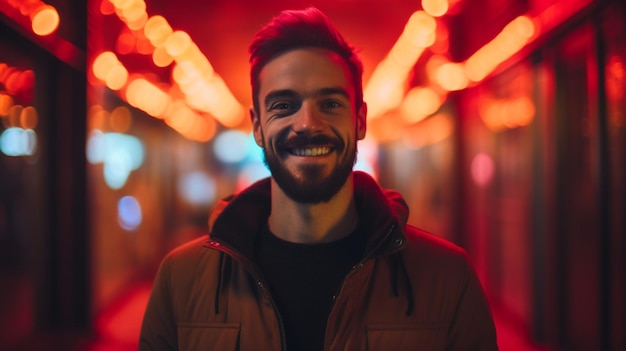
303, 278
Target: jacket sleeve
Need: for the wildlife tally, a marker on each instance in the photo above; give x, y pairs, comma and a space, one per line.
473, 327
158, 330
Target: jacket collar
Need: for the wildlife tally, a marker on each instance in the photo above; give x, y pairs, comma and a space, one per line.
236, 222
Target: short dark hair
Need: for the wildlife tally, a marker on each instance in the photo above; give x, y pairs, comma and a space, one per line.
294, 29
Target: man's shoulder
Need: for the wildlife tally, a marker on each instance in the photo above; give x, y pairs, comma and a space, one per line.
192, 250
423, 245
191, 245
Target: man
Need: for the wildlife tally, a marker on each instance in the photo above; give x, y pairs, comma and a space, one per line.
316, 257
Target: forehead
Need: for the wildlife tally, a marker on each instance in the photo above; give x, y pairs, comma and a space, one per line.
305, 71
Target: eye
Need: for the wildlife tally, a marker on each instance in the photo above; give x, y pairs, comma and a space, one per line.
331, 104
283, 107
280, 106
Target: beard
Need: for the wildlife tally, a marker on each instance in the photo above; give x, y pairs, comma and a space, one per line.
313, 186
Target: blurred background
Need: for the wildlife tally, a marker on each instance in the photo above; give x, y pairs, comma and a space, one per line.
502, 122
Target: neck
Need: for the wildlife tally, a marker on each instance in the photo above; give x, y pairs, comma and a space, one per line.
313, 223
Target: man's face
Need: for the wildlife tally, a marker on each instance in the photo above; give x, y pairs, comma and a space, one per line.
307, 124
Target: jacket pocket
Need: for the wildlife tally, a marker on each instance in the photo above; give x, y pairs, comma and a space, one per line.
208, 336
427, 336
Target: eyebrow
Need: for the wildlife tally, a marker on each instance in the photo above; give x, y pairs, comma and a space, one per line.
279, 94
333, 91
290, 93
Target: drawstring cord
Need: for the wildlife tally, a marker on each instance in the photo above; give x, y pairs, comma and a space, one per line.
394, 275
409, 287
398, 266
220, 273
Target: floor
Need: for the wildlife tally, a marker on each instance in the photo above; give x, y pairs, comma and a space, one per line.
117, 328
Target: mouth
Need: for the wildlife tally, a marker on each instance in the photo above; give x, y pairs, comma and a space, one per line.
314, 146
310, 151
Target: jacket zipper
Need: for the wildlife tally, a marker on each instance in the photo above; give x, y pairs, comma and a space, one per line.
279, 317
262, 286
358, 266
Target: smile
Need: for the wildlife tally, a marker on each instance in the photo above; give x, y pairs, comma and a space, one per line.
314, 151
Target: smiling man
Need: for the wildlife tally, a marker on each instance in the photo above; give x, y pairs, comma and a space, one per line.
308, 128
314, 147
316, 257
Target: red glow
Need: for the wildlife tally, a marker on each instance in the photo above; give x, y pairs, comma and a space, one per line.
387, 85
29, 118
45, 20
103, 63
450, 76
6, 101
120, 119
14, 114
118, 327
157, 30
106, 7
615, 77
482, 169
135, 13
442, 39
428, 132
126, 43
419, 103
108, 68
500, 114
116, 77
189, 123
384, 130
17, 83
420, 29
206, 94
178, 43
161, 58
435, 8
511, 39
143, 44
148, 97
12, 82
97, 117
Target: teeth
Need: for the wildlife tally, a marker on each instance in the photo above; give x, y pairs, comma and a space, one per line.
316, 151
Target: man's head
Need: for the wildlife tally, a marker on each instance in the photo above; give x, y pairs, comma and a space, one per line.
299, 29
309, 110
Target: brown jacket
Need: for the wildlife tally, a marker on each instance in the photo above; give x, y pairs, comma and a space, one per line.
412, 290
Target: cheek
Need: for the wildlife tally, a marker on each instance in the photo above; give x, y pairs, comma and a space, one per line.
348, 131
265, 138
277, 131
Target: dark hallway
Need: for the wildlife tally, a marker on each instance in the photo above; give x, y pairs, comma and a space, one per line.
501, 123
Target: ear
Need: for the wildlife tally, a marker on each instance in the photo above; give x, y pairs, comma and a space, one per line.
256, 127
361, 121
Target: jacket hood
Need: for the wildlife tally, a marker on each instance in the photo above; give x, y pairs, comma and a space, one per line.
235, 221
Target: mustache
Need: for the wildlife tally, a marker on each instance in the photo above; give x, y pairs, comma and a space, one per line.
301, 141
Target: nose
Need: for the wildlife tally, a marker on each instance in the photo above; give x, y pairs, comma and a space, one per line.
307, 120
